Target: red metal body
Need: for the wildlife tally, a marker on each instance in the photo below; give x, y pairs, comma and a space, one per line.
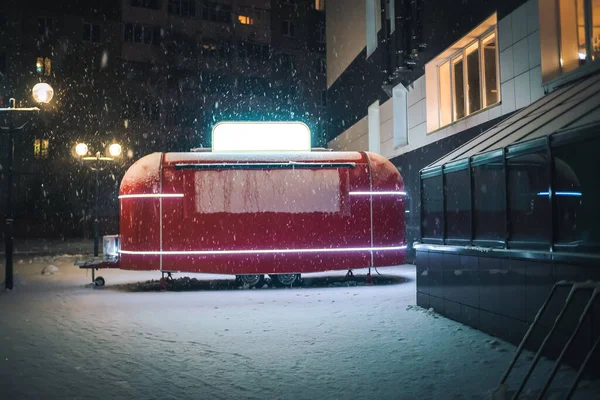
261, 213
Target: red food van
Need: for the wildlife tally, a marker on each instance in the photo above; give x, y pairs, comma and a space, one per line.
252, 214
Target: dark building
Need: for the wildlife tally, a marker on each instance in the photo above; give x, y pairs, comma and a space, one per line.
152, 75
491, 111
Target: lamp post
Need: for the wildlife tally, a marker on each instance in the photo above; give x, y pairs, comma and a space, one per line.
42, 93
97, 163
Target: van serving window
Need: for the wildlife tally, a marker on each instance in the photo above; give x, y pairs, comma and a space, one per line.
282, 165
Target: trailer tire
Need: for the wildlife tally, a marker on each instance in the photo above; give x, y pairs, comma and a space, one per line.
99, 281
283, 280
252, 280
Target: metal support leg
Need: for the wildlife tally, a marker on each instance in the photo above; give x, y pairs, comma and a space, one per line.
9, 228
96, 229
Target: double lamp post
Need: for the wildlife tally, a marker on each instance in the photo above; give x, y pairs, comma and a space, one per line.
16, 119
97, 162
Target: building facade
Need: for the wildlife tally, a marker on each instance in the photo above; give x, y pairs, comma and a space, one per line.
491, 112
152, 75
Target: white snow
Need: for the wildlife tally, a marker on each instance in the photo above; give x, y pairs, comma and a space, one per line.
50, 270
60, 339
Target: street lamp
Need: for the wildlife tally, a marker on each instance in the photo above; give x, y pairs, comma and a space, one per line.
97, 163
42, 93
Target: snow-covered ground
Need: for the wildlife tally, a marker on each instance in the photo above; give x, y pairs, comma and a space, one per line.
61, 339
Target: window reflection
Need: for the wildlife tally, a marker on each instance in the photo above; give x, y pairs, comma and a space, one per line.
528, 211
577, 195
432, 207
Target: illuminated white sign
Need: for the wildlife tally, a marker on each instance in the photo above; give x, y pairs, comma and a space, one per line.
254, 137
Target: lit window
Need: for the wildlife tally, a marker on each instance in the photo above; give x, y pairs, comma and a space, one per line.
490, 72
43, 66
458, 88
468, 80
245, 20
320, 5
40, 148
473, 81
445, 94
576, 45
595, 45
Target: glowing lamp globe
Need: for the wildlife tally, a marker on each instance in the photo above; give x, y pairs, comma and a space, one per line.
42, 93
115, 150
81, 149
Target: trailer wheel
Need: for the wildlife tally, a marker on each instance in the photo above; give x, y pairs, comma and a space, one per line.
252, 280
285, 279
99, 281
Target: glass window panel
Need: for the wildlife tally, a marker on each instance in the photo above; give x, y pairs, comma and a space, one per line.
572, 32
529, 207
490, 70
431, 217
488, 201
595, 40
577, 191
473, 82
458, 205
459, 88
445, 94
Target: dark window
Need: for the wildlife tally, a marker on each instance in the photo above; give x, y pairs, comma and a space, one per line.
128, 33
2, 65
45, 25
138, 33
142, 34
528, 207
216, 12
488, 201
91, 32
185, 8
255, 51
152, 4
431, 221
288, 28
577, 191
322, 65
458, 205
288, 63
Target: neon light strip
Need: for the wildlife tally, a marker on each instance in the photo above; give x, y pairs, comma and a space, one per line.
264, 251
152, 195
377, 193
561, 194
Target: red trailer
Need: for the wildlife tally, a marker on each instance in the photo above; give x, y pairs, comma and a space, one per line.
254, 214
